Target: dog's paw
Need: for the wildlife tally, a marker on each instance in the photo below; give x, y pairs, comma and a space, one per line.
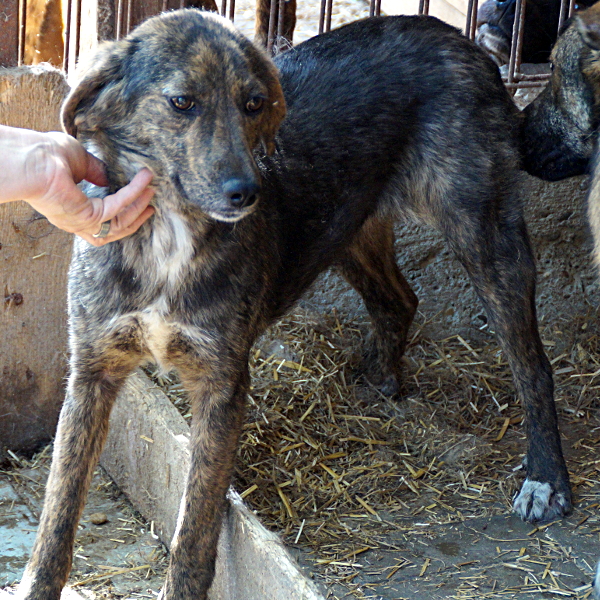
389, 386
596, 583
540, 502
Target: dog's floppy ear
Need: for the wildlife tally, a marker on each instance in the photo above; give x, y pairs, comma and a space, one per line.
588, 25
275, 110
101, 71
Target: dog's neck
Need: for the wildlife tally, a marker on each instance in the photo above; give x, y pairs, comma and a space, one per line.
162, 250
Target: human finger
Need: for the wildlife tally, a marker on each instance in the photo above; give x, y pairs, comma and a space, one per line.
127, 196
96, 171
120, 231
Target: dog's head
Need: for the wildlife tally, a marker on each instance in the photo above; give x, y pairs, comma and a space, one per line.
560, 130
188, 96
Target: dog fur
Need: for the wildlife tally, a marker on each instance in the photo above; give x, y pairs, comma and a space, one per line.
560, 126
560, 132
386, 117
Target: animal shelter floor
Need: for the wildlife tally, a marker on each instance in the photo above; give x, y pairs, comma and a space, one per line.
479, 558
116, 553
414, 558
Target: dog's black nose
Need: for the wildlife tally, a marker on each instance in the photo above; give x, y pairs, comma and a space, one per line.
241, 193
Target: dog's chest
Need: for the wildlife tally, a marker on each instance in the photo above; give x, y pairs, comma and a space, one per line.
168, 253
163, 265
157, 330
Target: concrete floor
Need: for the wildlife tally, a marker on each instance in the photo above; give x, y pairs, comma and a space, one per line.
116, 558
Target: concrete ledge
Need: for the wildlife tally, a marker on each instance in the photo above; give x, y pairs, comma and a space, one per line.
147, 455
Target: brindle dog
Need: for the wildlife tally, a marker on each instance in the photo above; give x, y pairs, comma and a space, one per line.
560, 128
560, 133
387, 116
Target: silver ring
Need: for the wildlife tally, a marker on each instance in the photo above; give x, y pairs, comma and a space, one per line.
104, 230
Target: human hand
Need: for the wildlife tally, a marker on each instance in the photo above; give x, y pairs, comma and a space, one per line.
46, 169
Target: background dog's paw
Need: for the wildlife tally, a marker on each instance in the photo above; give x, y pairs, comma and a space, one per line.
596, 583
389, 386
540, 502
370, 369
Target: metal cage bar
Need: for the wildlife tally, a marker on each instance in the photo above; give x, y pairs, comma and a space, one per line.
22, 29
128, 12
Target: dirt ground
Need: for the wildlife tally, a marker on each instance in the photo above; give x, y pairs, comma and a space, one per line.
116, 552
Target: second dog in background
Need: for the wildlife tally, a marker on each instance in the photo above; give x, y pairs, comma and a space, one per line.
385, 117
560, 133
560, 127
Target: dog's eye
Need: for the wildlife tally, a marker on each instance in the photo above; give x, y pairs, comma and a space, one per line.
254, 104
182, 103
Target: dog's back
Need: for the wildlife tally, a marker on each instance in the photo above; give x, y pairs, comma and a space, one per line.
396, 114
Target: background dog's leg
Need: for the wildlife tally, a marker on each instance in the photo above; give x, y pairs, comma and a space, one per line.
218, 409
81, 433
495, 250
369, 265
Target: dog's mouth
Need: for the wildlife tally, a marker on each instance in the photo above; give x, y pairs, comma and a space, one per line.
232, 216
229, 209
494, 42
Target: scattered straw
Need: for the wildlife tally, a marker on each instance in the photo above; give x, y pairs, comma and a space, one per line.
331, 464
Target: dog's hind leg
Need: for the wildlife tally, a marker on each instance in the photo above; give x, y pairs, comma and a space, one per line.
369, 265
490, 239
96, 377
217, 390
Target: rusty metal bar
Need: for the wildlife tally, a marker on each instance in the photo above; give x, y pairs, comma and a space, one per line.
473, 29
231, 10
469, 24
564, 10
271, 33
223, 8
119, 19
322, 17
22, 29
571, 8
517, 40
374, 8
423, 7
77, 33
129, 16
328, 15
67, 48
280, 22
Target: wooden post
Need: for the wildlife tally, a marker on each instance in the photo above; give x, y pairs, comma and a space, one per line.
9, 33
34, 258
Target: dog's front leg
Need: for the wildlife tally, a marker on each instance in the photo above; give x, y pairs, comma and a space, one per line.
218, 407
93, 386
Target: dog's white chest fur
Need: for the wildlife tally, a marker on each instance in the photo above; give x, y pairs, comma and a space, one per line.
169, 252
157, 330
163, 264
171, 248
